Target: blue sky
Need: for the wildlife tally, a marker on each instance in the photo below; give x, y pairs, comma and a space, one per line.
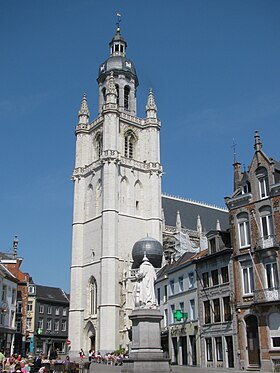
214, 69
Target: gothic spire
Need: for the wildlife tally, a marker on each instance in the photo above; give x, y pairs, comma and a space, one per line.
218, 225
84, 111
258, 143
151, 107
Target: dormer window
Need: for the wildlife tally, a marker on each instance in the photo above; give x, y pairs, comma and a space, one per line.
261, 174
31, 289
213, 247
246, 188
263, 185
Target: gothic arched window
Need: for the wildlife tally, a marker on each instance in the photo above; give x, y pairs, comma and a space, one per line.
129, 144
98, 197
92, 296
104, 94
138, 197
124, 195
126, 96
118, 94
89, 201
99, 145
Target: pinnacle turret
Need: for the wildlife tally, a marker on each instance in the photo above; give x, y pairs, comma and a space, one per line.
151, 108
111, 91
84, 113
198, 225
258, 143
178, 221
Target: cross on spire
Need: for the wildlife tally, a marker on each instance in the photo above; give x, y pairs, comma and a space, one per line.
118, 22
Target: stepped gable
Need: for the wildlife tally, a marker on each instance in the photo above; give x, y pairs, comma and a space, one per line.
189, 210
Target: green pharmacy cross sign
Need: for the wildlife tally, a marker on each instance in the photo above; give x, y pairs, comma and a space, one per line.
179, 315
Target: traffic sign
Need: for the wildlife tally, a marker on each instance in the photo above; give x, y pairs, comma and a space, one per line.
68, 342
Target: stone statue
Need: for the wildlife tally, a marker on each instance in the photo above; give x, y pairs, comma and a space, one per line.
145, 291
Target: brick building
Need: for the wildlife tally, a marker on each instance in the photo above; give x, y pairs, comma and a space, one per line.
255, 235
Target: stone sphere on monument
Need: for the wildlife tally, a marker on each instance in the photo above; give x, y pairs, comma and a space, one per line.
149, 246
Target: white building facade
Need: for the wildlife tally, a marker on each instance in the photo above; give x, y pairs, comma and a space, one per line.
176, 289
117, 201
8, 298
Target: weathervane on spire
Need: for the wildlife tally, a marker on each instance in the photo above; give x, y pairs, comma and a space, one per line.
118, 22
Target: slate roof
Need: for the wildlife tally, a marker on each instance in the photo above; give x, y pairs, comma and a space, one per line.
277, 164
189, 210
51, 294
7, 256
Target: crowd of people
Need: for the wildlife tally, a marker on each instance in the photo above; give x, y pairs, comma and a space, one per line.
38, 364
54, 364
113, 358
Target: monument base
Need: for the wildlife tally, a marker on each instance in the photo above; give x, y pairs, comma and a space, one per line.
146, 354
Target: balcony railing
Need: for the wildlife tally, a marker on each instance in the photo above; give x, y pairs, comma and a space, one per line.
267, 295
267, 242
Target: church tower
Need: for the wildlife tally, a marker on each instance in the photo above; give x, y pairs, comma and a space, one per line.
117, 201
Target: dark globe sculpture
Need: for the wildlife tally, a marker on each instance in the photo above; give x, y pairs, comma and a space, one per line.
149, 246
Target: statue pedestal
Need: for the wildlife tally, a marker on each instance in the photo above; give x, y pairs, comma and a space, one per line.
146, 354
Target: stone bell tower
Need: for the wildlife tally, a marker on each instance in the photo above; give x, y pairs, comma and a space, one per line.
117, 201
